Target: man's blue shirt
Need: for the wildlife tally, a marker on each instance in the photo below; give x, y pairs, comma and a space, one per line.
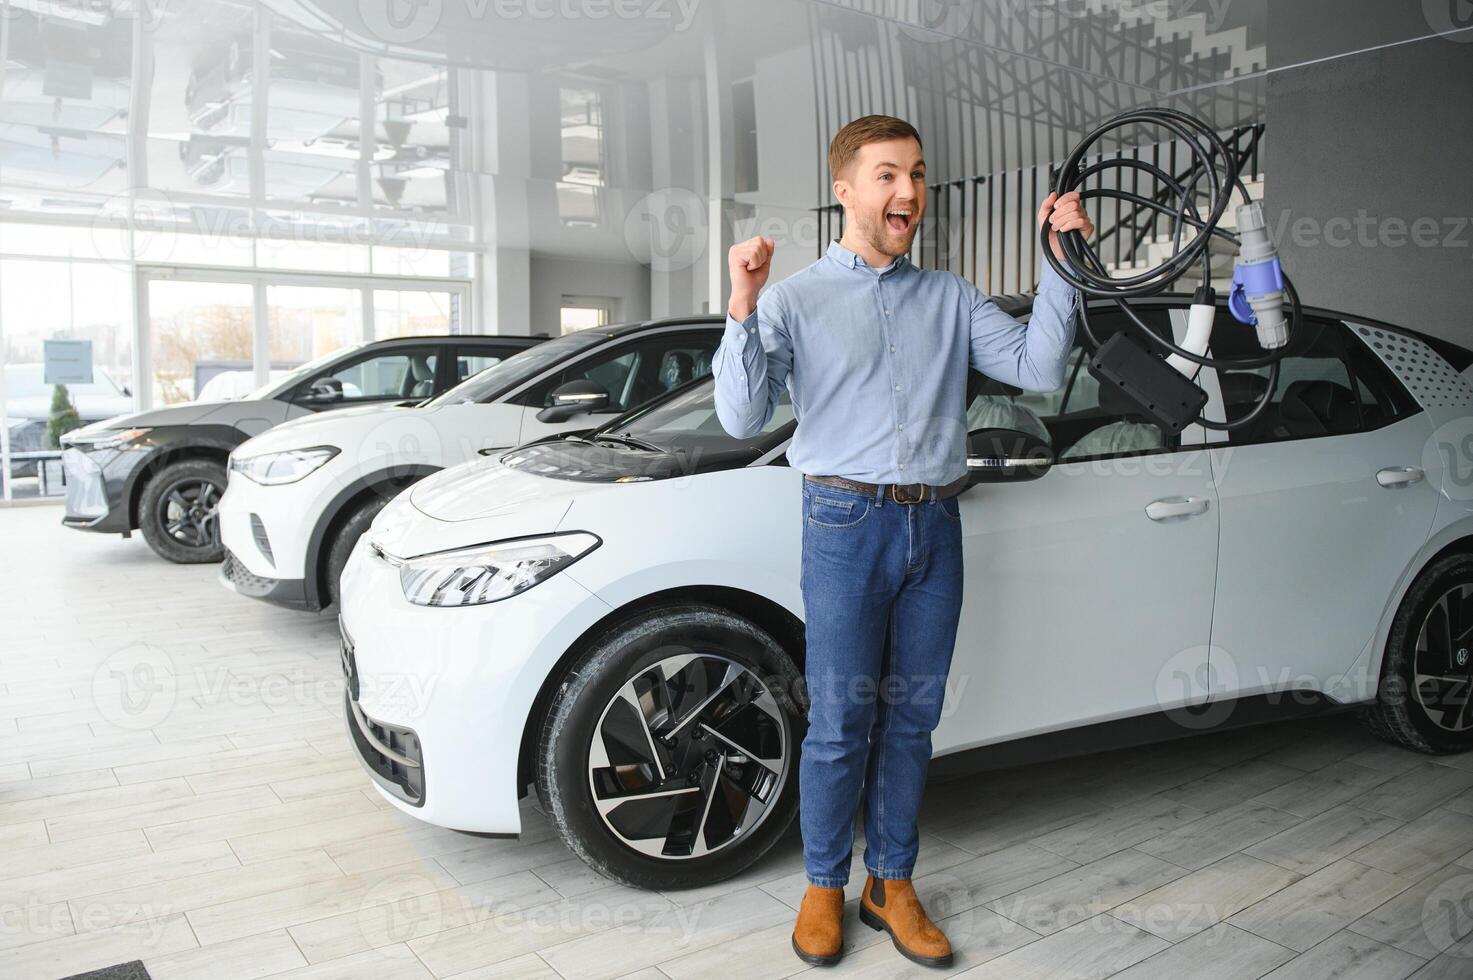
876, 363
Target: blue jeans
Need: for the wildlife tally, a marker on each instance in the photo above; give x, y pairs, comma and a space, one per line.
882, 596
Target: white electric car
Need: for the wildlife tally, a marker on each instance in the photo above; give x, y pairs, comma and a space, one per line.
615, 617
300, 494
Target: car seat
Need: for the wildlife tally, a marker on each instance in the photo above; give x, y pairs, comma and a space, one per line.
1317, 408
421, 376
1132, 433
995, 412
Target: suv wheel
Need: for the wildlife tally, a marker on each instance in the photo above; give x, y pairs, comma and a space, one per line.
178, 511
1423, 700
669, 756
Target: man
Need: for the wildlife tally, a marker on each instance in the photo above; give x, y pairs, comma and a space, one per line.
875, 353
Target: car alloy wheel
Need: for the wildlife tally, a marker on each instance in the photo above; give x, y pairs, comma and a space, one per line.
1426, 678
688, 757
187, 513
1442, 664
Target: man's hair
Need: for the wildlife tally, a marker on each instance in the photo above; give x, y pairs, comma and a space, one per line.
866, 129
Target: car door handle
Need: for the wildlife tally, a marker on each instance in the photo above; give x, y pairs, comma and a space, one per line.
1399, 476
1169, 507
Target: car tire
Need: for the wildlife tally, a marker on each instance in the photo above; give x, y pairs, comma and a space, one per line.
1424, 642
738, 684
343, 541
178, 511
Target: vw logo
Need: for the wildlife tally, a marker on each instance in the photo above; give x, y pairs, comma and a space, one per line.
1461, 656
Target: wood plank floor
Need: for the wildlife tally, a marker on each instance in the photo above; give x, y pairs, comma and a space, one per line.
176, 786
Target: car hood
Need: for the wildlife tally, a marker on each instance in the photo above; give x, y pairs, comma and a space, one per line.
471, 504
486, 489
185, 414
340, 427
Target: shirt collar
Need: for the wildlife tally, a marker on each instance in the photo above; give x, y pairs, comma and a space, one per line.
851, 260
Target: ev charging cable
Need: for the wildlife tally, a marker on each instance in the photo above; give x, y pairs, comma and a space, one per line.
1260, 288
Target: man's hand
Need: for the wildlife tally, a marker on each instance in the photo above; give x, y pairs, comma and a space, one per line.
749, 262
1065, 214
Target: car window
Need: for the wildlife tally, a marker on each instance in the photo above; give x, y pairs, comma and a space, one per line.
505, 376
471, 362
635, 371
1070, 418
404, 373
1329, 384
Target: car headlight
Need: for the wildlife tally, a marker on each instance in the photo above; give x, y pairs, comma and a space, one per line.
102, 439
289, 466
489, 572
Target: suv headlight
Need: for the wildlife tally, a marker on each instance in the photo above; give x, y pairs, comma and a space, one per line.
489, 572
102, 439
289, 466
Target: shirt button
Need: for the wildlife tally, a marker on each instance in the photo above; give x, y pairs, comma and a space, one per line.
751, 330
902, 466
887, 312
892, 347
900, 426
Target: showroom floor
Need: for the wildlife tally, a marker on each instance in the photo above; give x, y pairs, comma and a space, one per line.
176, 787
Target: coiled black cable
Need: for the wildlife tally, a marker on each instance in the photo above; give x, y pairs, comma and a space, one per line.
1214, 172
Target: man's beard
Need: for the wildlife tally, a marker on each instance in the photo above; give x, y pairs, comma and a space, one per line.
879, 237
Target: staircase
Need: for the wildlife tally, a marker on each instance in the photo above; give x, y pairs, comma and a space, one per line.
1156, 250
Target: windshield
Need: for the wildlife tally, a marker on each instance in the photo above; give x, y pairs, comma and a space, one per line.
691, 413
501, 376
675, 437
29, 381
302, 371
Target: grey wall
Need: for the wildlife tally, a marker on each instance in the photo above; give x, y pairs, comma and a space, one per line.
1369, 169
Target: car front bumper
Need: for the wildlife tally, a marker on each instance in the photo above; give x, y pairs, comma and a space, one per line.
451, 689
97, 488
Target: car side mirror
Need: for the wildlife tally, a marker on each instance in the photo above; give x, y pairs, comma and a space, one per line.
1006, 456
324, 390
573, 397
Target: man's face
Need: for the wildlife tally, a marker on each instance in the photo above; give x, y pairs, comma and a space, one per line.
884, 194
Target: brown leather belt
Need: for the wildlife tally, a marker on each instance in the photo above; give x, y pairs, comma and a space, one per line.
908, 493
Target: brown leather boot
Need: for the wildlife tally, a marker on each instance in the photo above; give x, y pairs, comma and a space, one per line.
892, 905
818, 936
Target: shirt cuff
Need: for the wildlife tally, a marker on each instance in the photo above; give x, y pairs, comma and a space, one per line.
741, 330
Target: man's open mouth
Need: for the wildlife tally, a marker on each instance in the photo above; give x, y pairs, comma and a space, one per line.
899, 219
